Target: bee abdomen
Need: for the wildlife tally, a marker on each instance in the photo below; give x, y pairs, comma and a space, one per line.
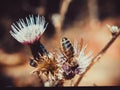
67, 47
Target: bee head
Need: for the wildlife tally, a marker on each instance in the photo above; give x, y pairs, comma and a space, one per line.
64, 39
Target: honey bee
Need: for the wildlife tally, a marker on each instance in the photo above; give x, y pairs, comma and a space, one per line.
41, 51
67, 48
68, 53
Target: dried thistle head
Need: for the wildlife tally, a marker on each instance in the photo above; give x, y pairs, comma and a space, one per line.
47, 66
52, 81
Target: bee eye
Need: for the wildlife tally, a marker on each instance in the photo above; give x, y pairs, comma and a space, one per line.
33, 63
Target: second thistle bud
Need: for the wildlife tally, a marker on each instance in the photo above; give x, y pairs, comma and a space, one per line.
113, 29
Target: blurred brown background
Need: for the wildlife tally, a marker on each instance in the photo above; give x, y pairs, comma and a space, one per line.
74, 19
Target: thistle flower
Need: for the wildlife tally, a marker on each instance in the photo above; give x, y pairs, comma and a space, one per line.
77, 64
83, 60
113, 29
50, 68
27, 32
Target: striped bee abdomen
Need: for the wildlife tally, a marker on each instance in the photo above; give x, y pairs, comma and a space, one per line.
67, 48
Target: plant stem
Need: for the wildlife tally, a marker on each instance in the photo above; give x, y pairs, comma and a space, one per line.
97, 57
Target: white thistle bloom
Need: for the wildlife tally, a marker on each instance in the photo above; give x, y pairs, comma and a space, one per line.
83, 59
113, 29
27, 32
77, 64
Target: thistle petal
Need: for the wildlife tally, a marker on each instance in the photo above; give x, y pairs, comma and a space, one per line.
30, 31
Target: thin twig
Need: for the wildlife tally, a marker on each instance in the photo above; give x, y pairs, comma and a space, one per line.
97, 57
63, 9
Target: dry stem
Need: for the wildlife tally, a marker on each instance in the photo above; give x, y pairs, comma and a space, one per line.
97, 57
